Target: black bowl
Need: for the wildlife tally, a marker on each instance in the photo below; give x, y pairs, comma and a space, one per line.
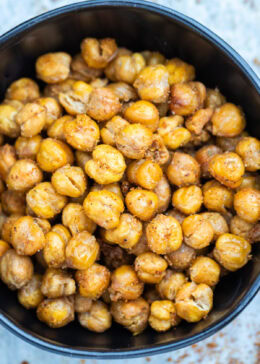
138, 25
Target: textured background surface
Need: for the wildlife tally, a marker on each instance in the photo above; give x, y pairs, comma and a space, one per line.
238, 22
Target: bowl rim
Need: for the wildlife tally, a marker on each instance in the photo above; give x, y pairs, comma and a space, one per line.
248, 73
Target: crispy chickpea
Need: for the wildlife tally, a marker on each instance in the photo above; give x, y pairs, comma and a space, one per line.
142, 203
188, 199
24, 175
217, 197
112, 127
214, 98
8, 124
196, 122
7, 227
204, 156
142, 245
198, 232
194, 302
179, 71
53, 154
179, 216
254, 234
23, 89
217, 222
62, 231
247, 204
157, 151
7, 160
114, 256
123, 91
53, 90
103, 104
188, 97
178, 137
249, 181
93, 281
143, 112
27, 236
232, 251
181, 258
98, 318
183, 170
125, 284
97, 53
13, 202
52, 108
107, 166
153, 58
170, 284
31, 118
152, 83
240, 227
227, 121
15, 270
28, 147
82, 158
69, 181
30, 295
227, 168
144, 173
81, 71
113, 187
205, 270
74, 217
54, 250
164, 234
82, 304
248, 149
4, 246
167, 128
56, 129
150, 267
56, 312
125, 67
133, 315
99, 82
53, 67
57, 283
44, 201
163, 192
163, 315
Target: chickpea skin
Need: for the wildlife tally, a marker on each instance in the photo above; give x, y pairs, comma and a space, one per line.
69, 181
150, 267
56, 129
163, 315
240, 227
24, 90
97, 53
98, 318
125, 284
8, 124
163, 192
205, 270
170, 284
144, 173
7, 160
30, 295
53, 67
62, 231
217, 197
188, 199
247, 204
248, 149
204, 156
125, 67
103, 104
181, 258
23, 175
113, 187
157, 151
54, 250
4, 246
142, 203
198, 232
123, 91
179, 71
194, 302
112, 127
27, 148
232, 251
7, 227
74, 217
217, 222
143, 112
57, 283
172, 132
31, 118
227, 121
183, 170
56, 312
164, 234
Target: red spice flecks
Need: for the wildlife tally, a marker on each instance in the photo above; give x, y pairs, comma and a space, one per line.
148, 359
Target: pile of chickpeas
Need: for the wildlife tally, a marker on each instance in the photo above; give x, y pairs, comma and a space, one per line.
127, 189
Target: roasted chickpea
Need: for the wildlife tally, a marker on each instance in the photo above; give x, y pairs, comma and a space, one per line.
13, 202
205, 270
181, 258
75, 99
82, 304
62, 231
188, 199
97, 53
188, 97
98, 318
170, 284
123, 91
204, 156
179, 71
157, 151
8, 124
249, 181
31, 118
56, 129
7, 160
81, 71
125, 67
196, 122
103, 104
104, 208
4, 246
15, 270
114, 256
74, 217
23, 175
23, 89
82, 158
69, 181
153, 58
179, 216
99, 82
125, 284
113, 187
27, 148
143, 112
30, 295
133, 315
142, 203
93, 281
112, 127
142, 245
232, 251
254, 234
217, 197
53, 67
164, 234
163, 192
56, 312
163, 315
53, 154
150, 267
198, 232
217, 222
7, 225
248, 149
214, 98
52, 108
247, 204
172, 132
229, 144
53, 90
194, 302
227, 121
240, 227
54, 250
183, 170
57, 283
144, 173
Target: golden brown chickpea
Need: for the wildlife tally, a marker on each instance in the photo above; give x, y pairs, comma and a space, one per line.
54, 250
7, 160
144, 173
157, 151
30, 295
4, 246
56, 129
227, 168
125, 284
23, 175
107, 166
228, 121
240, 227
99, 82
170, 284
53, 154
143, 112
112, 127
57, 283
15, 270
81, 71
52, 108
153, 58
194, 302
7, 227
163, 315
28, 147
173, 134
247, 204
97, 53
186, 98
44, 201
142, 245
204, 156
254, 234
217, 222
82, 304
56, 312
150, 267
24, 90
98, 318
8, 124
53, 90
103, 104
69, 181
133, 315
74, 217
93, 282
183, 170
163, 192
248, 149
53, 67
250, 181
104, 208
113, 187
217, 197
164, 234
62, 231
13, 202
205, 270
152, 83
82, 158
142, 203
198, 120
179, 71
198, 232
125, 67
188, 199
181, 258
31, 118
232, 251
214, 98
123, 91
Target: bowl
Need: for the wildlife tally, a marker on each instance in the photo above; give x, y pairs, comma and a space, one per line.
138, 25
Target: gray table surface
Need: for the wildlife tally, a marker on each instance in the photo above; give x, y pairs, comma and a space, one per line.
238, 22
